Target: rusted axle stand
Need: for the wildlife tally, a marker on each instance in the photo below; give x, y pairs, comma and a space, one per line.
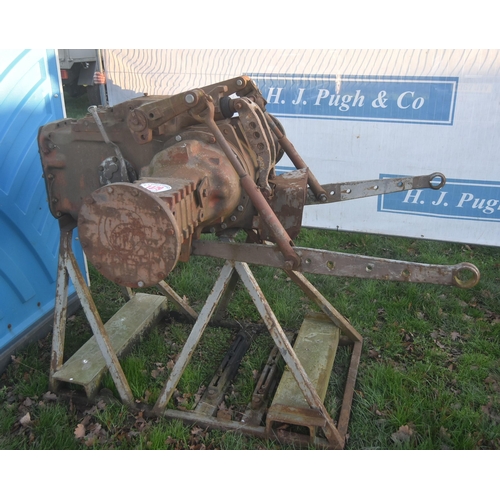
316, 417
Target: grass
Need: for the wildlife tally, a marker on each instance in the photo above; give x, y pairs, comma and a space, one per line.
429, 376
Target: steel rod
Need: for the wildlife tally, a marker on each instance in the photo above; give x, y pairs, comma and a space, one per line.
287, 352
60, 309
99, 331
194, 338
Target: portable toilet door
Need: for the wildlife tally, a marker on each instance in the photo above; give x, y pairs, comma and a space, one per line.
30, 96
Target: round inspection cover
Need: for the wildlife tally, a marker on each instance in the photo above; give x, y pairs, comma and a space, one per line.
129, 234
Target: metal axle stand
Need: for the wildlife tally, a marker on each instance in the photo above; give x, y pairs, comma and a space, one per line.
299, 398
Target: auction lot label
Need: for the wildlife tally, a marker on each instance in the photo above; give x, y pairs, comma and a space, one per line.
426, 100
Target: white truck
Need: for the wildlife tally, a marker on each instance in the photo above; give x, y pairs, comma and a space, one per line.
77, 68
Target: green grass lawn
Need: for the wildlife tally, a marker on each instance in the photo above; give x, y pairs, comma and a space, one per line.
429, 376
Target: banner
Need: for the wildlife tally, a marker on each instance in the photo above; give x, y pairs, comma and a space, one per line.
360, 115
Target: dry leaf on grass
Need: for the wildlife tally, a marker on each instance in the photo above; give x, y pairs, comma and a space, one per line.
25, 420
403, 434
79, 431
49, 396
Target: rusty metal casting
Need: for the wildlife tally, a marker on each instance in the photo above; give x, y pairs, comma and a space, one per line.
144, 179
463, 275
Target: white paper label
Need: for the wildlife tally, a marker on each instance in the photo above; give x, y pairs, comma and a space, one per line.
156, 187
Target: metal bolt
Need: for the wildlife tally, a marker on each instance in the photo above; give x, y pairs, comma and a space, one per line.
239, 82
189, 98
178, 138
140, 284
233, 218
50, 176
85, 361
223, 225
323, 198
240, 208
56, 95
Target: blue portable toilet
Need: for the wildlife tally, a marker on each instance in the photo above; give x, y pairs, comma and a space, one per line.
30, 96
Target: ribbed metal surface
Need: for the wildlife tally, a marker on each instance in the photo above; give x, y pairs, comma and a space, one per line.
30, 96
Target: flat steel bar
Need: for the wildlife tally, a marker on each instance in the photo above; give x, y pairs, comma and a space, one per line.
345, 411
60, 309
194, 337
184, 307
287, 352
99, 331
332, 263
313, 293
214, 393
344, 191
258, 431
225, 299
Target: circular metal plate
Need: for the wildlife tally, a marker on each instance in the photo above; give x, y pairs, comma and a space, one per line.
129, 234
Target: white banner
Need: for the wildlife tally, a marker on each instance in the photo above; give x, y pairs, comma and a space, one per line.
364, 114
